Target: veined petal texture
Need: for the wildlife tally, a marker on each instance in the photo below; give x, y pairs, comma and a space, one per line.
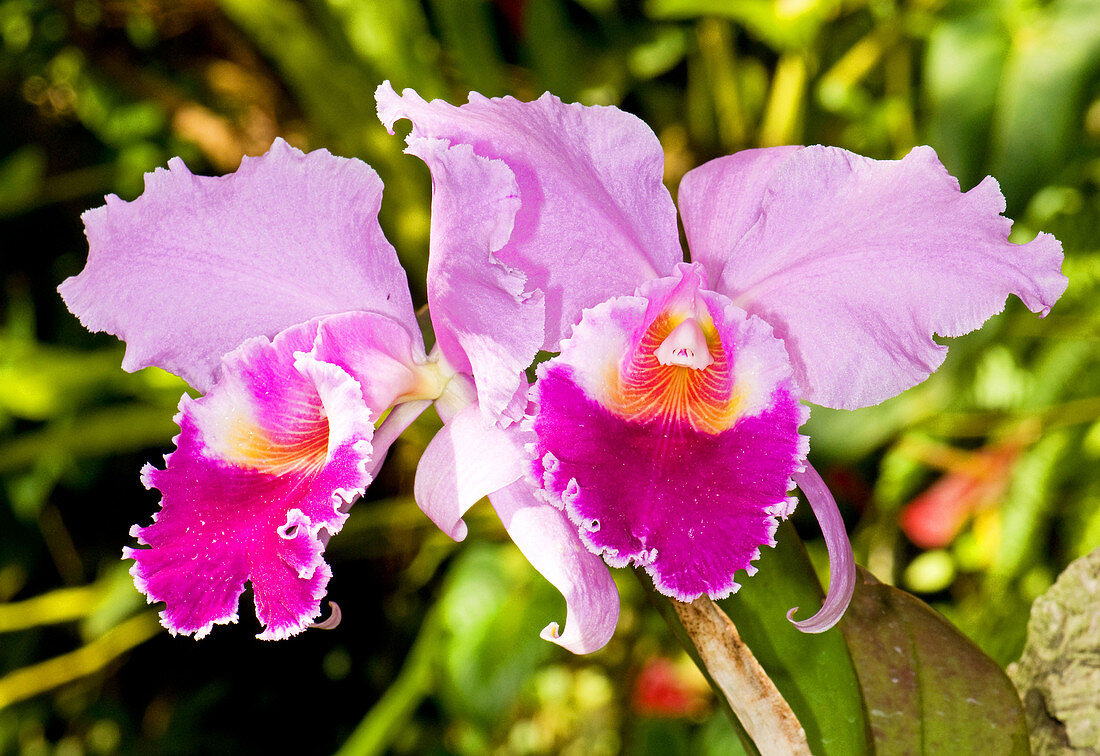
196, 265
581, 213
264, 461
856, 263
683, 470
485, 323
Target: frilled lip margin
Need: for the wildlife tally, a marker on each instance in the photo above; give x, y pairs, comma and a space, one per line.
265, 465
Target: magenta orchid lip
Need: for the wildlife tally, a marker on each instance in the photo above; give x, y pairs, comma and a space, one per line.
691, 486
665, 433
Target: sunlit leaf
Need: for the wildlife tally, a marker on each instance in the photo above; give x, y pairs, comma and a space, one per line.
783, 25
659, 54
1035, 121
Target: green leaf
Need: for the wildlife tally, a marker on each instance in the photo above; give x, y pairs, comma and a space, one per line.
492, 600
394, 711
928, 688
469, 38
95, 433
1037, 124
814, 673
963, 65
553, 49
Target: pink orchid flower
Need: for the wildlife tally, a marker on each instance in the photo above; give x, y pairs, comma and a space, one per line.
667, 426
274, 292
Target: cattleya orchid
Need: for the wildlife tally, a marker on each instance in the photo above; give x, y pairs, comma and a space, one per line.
667, 426
275, 293
666, 430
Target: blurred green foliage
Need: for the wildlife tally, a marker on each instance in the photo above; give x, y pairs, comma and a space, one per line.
439, 652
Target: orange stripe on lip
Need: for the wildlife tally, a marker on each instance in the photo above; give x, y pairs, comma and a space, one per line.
249, 446
645, 390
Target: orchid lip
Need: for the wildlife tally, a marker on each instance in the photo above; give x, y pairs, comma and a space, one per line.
686, 346
667, 432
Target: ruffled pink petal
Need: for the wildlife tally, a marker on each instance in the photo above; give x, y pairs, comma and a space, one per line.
485, 323
196, 265
842, 565
381, 354
466, 460
856, 263
681, 470
575, 203
550, 543
263, 463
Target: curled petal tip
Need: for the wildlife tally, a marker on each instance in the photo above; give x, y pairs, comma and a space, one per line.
842, 566
459, 531
549, 541
466, 460
333, 619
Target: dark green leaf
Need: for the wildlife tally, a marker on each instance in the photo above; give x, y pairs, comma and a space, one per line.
813, 672
466, 27
928, 688
21, 176
963, 67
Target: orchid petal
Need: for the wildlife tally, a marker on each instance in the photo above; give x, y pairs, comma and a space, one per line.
466, 460
842, 565
264, 463
856, 263
721, 200
550, 543
485, 323
682, 471
196, 265
382, 354
390, 429
593, 217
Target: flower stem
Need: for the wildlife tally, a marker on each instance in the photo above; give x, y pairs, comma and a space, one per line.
753, 697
